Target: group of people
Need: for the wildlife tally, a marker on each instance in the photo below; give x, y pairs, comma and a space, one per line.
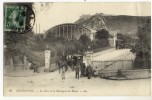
80, 70
34, 65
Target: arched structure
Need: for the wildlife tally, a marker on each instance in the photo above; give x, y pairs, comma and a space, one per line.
68, 31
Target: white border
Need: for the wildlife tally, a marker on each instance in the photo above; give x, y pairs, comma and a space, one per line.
76, 0
58, 98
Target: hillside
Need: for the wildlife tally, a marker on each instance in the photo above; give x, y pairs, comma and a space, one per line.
116, 23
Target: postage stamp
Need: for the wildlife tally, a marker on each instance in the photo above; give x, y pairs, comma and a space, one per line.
15, 18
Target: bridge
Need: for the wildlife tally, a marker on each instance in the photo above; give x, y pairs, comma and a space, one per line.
68, 31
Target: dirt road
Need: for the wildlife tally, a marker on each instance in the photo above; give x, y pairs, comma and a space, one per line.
52, 84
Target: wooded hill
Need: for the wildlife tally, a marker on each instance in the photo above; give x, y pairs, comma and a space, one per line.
118, 23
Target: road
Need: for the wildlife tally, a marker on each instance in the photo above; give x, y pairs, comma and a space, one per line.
51, 84
45, 84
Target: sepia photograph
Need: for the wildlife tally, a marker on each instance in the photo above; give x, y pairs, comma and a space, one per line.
77, 48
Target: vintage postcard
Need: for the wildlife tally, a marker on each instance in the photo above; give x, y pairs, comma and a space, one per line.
77, 48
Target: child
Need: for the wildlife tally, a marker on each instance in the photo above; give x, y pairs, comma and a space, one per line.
63, 73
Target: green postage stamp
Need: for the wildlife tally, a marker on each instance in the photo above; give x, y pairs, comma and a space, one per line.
15, 18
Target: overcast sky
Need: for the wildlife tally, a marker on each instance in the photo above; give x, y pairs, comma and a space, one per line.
51, 14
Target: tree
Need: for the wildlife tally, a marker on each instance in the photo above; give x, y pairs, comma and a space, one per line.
101, 39
39, 43
142, 47
16, 44
85, 40
102, 34
126, 38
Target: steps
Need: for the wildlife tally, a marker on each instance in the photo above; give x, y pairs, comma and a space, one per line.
18, 62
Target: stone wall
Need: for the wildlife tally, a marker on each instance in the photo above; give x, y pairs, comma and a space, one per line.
126, 74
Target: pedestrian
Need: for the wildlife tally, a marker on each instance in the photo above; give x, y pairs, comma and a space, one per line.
83, 69
35, 66
89, 72
77, 69
63, 73
66, 66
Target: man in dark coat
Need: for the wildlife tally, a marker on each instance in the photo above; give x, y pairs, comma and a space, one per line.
35, 65
77, 69
83, 69
89, 72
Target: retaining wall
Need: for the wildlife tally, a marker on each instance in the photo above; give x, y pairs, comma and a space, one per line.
126, 74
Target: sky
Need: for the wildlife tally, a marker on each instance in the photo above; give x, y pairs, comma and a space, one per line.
52, 14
